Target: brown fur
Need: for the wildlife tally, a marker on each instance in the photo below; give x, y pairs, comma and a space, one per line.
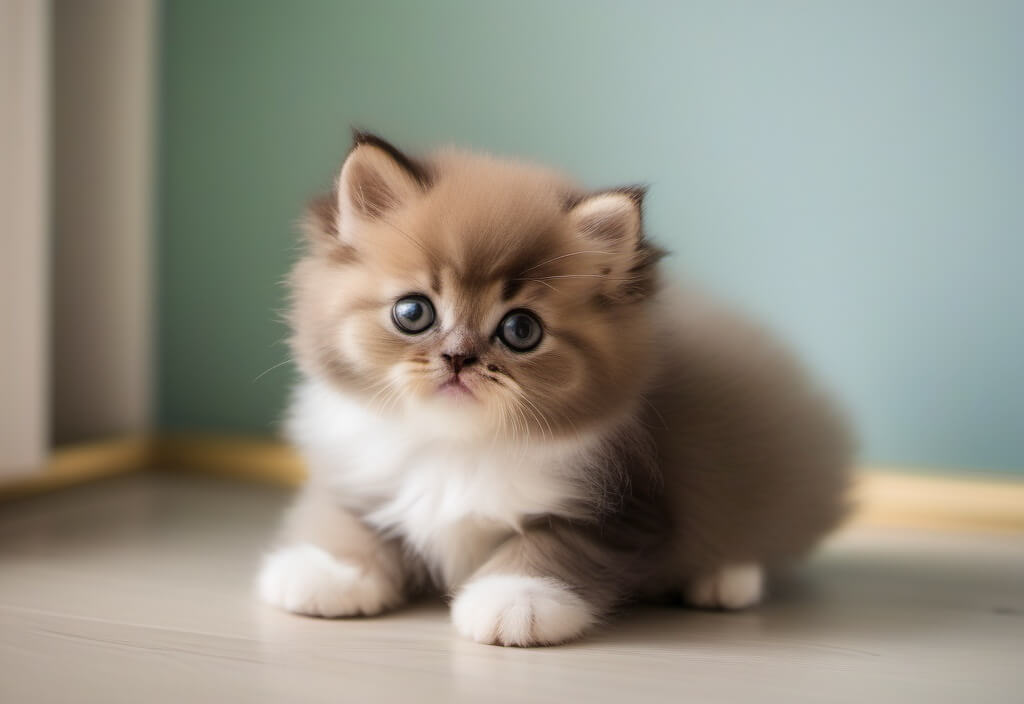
717, 447
494, 231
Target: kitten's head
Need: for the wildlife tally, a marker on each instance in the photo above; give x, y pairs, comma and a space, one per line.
473, 295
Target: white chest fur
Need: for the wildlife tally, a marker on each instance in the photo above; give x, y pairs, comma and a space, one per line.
451, 500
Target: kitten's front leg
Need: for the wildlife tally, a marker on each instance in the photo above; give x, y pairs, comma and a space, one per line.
329, 563
540, 588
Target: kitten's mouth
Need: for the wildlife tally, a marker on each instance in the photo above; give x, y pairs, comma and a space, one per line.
455, 387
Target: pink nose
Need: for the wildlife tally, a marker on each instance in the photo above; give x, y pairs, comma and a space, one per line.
456, 362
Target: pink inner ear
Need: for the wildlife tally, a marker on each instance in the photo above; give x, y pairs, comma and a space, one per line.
368, 192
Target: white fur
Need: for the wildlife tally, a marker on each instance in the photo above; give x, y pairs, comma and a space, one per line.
305, 579
731, 587
518, 610
424, 478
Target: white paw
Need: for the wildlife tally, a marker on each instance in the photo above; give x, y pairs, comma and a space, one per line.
517, 610
731, 587
305, 579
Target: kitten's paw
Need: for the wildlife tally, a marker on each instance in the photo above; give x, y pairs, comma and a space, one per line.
518, 610
730, 587
305, 579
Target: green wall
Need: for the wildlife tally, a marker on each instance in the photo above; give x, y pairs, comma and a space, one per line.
848, 170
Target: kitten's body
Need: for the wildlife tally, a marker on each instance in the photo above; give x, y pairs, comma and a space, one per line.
651, 445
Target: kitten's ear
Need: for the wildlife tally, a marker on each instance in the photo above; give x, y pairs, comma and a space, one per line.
611, 218
375, 179
611, 224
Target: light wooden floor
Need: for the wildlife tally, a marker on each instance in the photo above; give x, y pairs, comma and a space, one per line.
138, 590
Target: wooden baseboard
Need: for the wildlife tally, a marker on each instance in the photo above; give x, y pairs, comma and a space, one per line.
883, 497
259, 459
81, 463
889, 498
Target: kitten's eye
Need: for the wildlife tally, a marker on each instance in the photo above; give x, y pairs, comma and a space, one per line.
520, 330
413, 314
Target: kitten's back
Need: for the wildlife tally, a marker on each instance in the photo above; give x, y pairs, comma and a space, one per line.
754, 456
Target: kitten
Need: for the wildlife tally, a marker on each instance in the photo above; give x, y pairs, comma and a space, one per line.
502, 402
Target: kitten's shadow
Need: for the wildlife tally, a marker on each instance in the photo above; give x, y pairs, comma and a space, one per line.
854, 600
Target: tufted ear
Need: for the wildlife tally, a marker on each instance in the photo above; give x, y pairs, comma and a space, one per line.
375, 179
610, 219
611, 223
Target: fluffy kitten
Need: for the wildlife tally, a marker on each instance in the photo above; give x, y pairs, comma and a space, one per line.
500, 401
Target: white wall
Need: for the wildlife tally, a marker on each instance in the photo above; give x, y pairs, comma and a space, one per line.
104, 64
23, 226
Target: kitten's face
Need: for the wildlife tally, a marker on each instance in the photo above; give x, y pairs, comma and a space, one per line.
469, 295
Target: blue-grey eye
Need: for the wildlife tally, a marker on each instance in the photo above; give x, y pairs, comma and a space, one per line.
520, 330
413, 314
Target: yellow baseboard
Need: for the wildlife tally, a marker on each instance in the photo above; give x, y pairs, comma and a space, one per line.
80, 463
887, 498
259, 459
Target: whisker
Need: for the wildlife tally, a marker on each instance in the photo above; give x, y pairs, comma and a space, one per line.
267, 371
563, 256
373, 399
405, 234
538, 281
396, 228
390, 400
543, 418
656, 411
533, 415
525, 424
535, 412
580, 276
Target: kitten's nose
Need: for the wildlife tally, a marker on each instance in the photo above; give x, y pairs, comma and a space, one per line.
458, 360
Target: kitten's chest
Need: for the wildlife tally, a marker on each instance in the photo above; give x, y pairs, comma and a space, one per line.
455, 506
451, 502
